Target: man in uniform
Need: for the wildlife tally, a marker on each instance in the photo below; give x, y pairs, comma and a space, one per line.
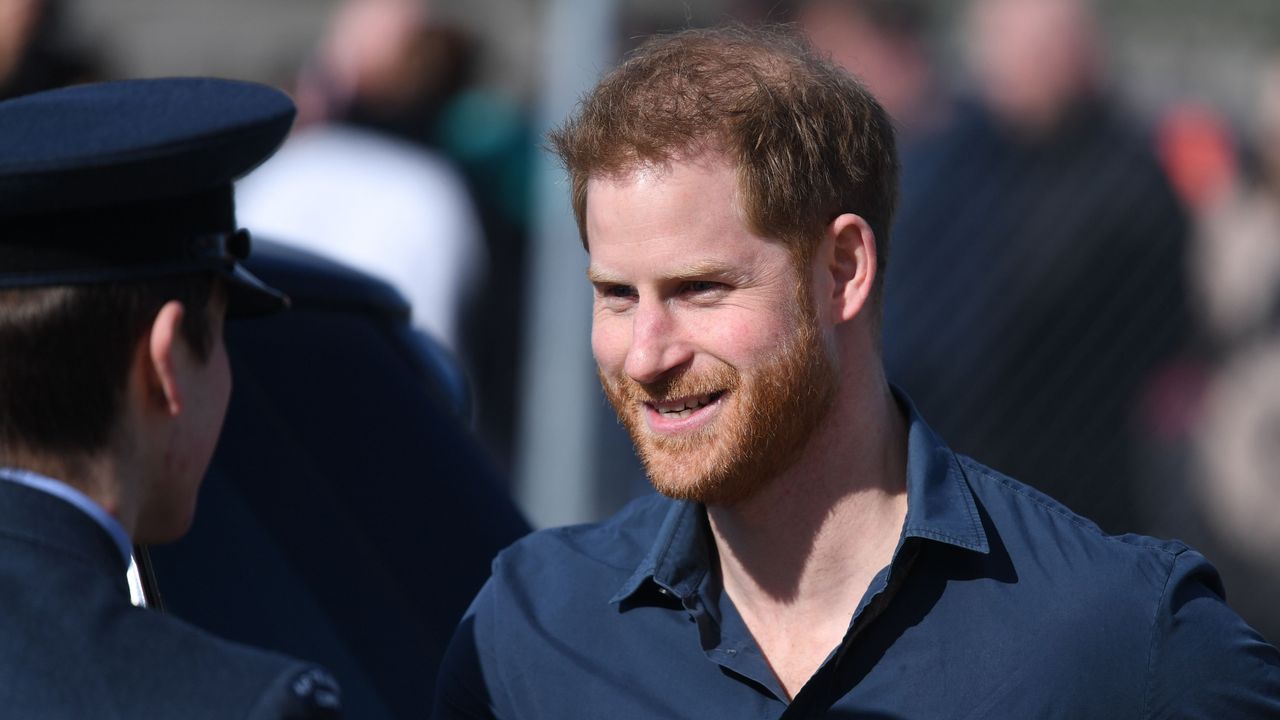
816, 550
119, 259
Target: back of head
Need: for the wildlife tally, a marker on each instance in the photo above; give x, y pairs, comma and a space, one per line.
67, 350
115, 199
809, 142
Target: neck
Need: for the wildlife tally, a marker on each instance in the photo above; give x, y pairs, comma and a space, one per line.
813, 538
98, 475
797, 558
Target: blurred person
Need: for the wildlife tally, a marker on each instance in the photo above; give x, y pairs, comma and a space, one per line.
1035, 61
356, 185
35, 53
1232, 487
1197, 148
1224, 455
883, 44
386, 65
378, 204
815, 549
1236, 260
120, 257
1040, 279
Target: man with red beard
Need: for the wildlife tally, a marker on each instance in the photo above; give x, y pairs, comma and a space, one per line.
815, 550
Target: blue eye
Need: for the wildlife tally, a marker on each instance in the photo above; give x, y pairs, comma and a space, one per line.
616, 297
619, 291
700, 287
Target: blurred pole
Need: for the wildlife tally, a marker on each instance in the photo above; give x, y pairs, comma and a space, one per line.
560, 403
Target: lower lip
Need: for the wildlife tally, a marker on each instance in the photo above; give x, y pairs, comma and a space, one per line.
664, 425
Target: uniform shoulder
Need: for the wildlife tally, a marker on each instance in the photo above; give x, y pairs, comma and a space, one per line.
177, 665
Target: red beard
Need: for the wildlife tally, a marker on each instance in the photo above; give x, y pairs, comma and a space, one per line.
769, 414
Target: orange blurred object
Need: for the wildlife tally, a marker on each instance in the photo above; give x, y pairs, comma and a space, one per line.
1198, 151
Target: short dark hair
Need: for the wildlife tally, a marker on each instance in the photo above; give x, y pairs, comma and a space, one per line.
65, 353
809, 141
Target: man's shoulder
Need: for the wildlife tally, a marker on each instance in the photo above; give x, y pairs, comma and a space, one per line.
1031, 523
615, 545
1132, 607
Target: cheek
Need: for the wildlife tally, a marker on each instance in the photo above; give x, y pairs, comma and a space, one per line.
741, 341
610, 338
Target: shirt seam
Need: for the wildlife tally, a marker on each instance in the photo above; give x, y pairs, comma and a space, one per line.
1151, 647
1060, 512
1068, 515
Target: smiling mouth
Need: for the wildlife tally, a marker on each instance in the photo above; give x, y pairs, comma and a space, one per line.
681, 408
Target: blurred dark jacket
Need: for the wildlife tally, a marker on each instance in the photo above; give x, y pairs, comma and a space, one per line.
1034, 286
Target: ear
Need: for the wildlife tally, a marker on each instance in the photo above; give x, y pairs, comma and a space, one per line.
165, 359
852, 264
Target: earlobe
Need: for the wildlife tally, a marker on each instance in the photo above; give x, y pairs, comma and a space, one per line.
163, 362
853, 265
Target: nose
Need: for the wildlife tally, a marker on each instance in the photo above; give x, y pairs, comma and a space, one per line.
657, 344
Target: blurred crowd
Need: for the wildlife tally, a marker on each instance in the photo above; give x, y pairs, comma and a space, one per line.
1084, 298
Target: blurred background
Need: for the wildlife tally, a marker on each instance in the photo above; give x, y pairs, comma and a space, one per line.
1084, 281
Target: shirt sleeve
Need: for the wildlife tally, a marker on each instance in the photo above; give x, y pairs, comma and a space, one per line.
463, 689
1205, 662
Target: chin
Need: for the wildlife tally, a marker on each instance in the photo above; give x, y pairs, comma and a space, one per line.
710, 479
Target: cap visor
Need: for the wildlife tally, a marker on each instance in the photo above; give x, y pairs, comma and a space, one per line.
247, 296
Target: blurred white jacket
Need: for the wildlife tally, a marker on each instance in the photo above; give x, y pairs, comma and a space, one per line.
379, 204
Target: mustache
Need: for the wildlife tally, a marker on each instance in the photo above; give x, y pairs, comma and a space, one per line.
683, 383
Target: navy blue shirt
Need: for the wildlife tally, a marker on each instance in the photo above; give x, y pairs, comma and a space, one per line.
999, 602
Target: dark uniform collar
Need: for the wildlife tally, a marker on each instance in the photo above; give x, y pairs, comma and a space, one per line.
940, 508
36, 517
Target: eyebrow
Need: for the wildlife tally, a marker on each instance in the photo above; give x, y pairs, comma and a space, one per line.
598, 277
698, 268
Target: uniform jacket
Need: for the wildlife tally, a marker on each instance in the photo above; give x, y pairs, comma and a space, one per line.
73, 646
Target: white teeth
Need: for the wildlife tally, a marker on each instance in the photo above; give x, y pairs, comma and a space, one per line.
683, 409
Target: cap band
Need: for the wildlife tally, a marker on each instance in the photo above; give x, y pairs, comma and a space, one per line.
174, 235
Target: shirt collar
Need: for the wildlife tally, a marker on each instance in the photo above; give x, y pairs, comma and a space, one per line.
680, 555
83, 502
940, 504
940, 508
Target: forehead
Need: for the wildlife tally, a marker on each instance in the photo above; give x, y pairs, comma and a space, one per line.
685, 211
662, 187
